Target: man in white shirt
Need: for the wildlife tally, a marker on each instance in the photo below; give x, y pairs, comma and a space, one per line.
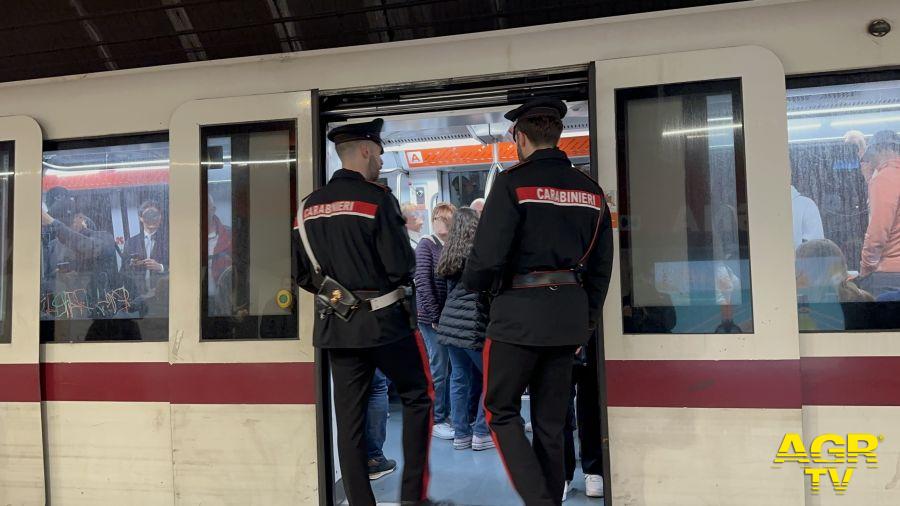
807, 220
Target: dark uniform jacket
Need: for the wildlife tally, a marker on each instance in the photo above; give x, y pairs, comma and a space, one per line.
357, 232
541, 216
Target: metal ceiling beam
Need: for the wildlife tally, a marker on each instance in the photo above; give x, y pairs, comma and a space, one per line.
181, 22
94, 34
280, 9
105, 14
303, 40
309, 17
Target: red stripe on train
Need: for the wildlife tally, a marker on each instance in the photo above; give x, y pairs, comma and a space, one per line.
20, 383
851, 381
824, 381
704, 383
241, 383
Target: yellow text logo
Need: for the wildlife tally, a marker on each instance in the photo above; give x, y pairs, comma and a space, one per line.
831, 457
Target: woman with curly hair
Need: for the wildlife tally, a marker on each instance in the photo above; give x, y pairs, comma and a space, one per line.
462, 328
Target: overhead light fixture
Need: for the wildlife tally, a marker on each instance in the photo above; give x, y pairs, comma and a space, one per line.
720, 118
443, 143
574, 133
867, 121
810, 126
107, 165
252, 162
683, 131
820, 139
856, 108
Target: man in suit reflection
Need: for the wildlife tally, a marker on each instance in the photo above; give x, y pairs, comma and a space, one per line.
146, 255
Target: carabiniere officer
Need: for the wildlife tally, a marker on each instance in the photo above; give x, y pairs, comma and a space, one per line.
544, 251
356, 231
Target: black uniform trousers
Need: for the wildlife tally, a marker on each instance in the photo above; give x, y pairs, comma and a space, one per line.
405, 363
536, 470
585, 383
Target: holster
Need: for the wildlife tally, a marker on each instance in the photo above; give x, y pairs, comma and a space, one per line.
339, 300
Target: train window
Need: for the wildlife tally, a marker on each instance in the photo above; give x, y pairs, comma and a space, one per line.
845, 190
7, 171
104, 240
249, 193
683, 202
467, 186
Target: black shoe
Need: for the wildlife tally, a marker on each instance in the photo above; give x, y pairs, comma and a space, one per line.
381, 467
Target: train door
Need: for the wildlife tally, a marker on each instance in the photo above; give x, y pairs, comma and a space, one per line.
21, 428
243, 398
700, 332
447, 149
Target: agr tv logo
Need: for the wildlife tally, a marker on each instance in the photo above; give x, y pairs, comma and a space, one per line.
822, 462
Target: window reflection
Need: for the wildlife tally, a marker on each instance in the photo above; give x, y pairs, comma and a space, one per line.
104, 244
685, 254
845, 175
249, 192
466, 186
7, 173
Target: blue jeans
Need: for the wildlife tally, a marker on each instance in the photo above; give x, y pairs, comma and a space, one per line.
466, 365
881, 283
440, 370
376, 416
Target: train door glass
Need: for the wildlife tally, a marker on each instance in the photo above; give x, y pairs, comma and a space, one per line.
7, 172
447, 157
104, 240
684, 251
249, 190
845, 194
466, 186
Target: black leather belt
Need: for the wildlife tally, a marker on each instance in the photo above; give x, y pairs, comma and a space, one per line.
544, 279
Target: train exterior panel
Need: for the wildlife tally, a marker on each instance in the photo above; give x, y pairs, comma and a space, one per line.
692, 418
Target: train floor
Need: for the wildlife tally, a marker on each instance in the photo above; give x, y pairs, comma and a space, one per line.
466, 477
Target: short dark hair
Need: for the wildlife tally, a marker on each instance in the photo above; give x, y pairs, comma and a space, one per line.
147, 205
541, 130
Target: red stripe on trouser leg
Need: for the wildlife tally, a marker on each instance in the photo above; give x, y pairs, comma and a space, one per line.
423, 354
488, 416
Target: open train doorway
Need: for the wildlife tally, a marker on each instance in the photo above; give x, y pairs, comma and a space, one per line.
443, 147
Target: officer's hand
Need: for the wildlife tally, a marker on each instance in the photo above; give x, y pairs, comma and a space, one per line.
46, 219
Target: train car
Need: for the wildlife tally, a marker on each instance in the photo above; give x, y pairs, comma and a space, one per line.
155, 351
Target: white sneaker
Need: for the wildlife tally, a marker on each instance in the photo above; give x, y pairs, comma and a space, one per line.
566, 490
443, 431
480, 443
593, 485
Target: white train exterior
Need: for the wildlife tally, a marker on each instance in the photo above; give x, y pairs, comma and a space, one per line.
703, 429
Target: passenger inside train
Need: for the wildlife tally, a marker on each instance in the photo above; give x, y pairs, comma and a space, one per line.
105, 242
440, 168
845, 174
105, 248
